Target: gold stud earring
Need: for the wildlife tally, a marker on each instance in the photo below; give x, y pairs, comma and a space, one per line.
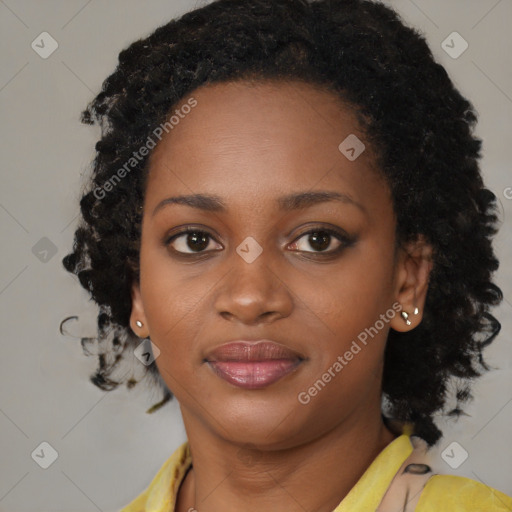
405, 316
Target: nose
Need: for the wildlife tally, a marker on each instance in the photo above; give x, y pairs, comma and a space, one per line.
253, 293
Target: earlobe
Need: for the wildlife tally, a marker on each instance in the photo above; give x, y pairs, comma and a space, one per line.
413, 273
138, 321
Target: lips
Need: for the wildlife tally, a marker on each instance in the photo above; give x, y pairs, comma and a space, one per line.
253, 364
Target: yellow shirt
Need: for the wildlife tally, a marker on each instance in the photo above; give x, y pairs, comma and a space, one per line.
393, 478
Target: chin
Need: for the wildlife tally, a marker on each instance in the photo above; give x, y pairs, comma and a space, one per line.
261, 423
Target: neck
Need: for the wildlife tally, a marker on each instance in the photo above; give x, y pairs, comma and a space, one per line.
227, 476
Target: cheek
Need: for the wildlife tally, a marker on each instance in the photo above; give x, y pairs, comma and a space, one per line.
169, 295
347, 314
346, 297
170, 307
363, 281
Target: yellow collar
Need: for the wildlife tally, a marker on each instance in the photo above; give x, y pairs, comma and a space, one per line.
371, 487
160, 496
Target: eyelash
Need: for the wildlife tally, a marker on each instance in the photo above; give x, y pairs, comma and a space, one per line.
345, 240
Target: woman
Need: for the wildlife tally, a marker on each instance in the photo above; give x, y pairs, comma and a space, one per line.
287, 203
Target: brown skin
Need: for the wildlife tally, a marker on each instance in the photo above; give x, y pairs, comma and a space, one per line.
250, 144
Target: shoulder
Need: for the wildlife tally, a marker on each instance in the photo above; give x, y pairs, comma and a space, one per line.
459, 494
161, 492
417, 488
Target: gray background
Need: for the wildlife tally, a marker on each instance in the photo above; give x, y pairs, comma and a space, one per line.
108, 448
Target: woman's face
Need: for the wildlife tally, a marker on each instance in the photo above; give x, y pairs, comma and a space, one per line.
250, 269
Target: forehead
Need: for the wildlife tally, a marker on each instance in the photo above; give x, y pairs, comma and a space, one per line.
250, 141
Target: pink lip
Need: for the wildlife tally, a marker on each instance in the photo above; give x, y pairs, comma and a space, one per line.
253, 365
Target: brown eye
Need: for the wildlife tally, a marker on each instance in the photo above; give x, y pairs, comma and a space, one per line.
321, 241
190, 242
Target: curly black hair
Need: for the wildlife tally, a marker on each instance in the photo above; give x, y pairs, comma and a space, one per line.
419, 124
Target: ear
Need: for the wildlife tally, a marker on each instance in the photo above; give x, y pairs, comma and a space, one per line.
412, 273
137, 313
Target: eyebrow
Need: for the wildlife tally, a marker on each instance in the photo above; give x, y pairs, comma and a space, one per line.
296, 201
